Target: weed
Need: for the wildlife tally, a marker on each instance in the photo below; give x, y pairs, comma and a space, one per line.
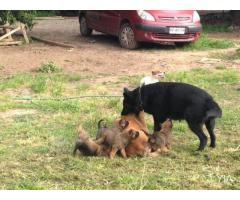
39, 84
13, 81
205, 43
49, 67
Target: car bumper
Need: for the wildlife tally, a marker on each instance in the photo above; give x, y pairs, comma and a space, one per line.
150, 33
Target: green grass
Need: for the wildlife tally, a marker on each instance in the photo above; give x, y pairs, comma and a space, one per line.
45, 13
35, 149
49, 67
206, 43
211, 28
228, 56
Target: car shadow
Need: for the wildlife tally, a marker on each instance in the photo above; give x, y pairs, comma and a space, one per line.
112, 41
104, 39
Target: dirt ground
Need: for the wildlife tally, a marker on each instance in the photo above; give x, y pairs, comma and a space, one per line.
99, 53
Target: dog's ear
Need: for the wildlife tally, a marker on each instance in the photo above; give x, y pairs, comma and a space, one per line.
123, 123
133, 134
126, 92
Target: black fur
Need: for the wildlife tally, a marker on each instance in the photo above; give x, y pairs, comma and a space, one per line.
175, 101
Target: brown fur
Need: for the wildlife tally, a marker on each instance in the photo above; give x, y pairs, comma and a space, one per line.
161, 140
140, 145
117, 137
87, 146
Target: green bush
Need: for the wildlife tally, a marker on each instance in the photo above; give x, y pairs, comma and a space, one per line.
26, 17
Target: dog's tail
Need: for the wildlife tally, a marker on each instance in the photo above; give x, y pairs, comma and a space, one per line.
213, 109
100, 124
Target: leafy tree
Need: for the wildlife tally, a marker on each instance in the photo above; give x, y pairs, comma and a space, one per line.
26, 17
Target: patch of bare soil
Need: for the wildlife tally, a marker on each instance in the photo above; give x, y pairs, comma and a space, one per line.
97, 54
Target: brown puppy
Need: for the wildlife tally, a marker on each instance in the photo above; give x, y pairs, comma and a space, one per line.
87, 146
138, 146
117, 138
161, 140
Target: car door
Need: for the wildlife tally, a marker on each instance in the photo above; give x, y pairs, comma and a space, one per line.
111, 21
94, 19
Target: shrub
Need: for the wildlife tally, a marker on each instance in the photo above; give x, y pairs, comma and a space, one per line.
26, 17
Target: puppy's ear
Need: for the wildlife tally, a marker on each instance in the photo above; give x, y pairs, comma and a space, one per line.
133, 134
169, 123
123, 123
160, 126
152, 140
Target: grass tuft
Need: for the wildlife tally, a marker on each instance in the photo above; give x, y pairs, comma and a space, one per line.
49, 67
206, 43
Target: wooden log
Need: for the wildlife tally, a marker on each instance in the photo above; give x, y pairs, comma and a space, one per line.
51, 42
7, 43
10, 33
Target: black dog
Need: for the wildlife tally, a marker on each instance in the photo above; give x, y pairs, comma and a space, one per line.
175, 101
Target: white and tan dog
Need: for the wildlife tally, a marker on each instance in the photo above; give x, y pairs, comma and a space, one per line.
156, 77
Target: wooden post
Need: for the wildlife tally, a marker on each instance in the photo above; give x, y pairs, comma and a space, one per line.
24, 32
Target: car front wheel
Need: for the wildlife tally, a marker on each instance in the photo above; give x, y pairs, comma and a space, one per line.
126, 37
84, 30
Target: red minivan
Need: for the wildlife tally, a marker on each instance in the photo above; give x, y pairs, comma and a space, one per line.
135, 26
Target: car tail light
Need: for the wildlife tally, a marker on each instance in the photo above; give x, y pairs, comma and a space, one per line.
196, 17
145, 15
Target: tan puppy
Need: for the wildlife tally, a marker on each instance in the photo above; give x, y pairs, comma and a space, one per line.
138, 146
87, 146
161, 140
117, 137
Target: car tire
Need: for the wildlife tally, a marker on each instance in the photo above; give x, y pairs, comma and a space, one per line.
84, 30
182, 44
127, 38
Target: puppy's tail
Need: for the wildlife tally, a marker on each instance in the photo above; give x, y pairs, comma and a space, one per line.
100, 124
213, 109
83, 148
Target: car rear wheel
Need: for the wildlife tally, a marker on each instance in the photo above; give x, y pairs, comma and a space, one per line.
126, 37
84, 30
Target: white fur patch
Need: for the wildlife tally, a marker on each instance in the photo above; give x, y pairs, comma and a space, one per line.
148, 80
